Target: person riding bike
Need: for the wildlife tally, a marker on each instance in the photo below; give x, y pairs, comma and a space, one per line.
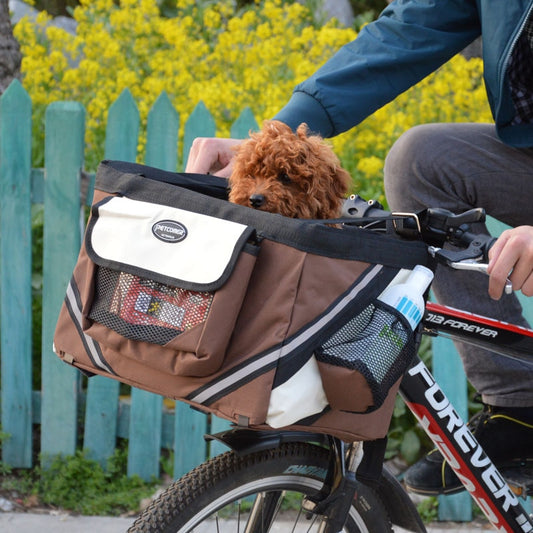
453, 166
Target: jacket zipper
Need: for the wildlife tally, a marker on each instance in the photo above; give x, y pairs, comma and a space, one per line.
511, 48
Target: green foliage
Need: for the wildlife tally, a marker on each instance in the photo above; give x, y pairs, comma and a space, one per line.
406, 438
3, 435
80, 484
17, 484
428, 510
167, 462
4, 469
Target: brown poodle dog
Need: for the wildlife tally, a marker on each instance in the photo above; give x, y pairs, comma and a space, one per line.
294, 174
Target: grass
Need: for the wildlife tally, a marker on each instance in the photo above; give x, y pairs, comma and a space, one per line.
77, 484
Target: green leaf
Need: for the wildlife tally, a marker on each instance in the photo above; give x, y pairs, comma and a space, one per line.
410, 446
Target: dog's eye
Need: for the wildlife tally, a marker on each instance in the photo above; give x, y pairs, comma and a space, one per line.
284, 178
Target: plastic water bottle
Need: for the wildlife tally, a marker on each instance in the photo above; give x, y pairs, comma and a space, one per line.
408, 297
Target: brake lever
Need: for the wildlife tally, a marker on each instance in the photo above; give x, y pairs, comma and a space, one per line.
480, 267
473, 264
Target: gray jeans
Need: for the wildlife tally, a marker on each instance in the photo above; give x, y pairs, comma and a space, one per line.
458, 167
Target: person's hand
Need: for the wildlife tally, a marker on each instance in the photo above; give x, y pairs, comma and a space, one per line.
209, 155
511, 256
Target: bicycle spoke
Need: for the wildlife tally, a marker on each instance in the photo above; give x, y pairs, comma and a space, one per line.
297, 521
264, 511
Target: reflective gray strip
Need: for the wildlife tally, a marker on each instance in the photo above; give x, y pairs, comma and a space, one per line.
270, 357
92, 347
235, 377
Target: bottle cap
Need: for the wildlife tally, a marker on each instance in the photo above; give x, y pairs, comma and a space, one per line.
421, 277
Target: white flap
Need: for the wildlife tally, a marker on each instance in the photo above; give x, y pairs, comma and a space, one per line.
299, 397
174, 243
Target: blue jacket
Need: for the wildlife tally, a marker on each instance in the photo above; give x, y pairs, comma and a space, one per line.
409, 40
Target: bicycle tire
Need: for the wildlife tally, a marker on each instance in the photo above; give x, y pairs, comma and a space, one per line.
199, 501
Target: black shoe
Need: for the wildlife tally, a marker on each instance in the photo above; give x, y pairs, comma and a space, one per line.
506, 435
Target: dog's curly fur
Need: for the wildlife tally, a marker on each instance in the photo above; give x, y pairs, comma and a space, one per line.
294, 174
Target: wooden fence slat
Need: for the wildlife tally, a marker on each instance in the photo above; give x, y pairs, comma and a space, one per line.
189, 429
162, 135
64, 145
101, 413
191, 425
15, 273
246, 122
37, 185
240, 129
145, 434
122, 132
101, 419
199, 124
147, 408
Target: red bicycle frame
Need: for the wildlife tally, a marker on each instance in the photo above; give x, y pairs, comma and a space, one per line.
445, 427
495, 335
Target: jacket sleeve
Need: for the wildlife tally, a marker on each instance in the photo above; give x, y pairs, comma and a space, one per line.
408, 41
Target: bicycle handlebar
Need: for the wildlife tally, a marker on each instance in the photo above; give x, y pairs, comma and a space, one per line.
434, 226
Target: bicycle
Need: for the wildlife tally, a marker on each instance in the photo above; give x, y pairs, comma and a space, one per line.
342, 487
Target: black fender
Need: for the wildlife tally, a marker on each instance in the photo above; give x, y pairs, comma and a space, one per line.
243, 441
401, 509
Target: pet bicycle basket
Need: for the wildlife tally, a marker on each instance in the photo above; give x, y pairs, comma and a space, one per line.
262, 320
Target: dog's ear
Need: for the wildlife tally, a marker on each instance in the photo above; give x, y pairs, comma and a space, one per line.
275, 127
280, 128
321, 157
302, 131
342, 183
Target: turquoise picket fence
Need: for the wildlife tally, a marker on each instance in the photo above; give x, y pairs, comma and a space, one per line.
107, 411
68, 404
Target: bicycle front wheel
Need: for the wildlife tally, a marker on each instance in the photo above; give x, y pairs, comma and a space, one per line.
256, 493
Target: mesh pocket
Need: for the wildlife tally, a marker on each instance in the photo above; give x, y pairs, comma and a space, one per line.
376, 344
144, 310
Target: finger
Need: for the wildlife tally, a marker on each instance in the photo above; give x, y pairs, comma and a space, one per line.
496, 249
512, 256
522, 274
498, 277
225, 172
225, 158
527, 287
211, 156
200, 158
500, 265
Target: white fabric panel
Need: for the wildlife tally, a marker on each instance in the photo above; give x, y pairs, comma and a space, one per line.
123, 233
300, 396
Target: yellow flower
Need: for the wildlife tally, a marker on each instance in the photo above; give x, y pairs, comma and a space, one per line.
370, 166
228, 61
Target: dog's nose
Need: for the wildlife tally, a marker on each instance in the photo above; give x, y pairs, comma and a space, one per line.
257, 200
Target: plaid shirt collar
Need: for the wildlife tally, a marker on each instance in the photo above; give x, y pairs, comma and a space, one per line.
521, 75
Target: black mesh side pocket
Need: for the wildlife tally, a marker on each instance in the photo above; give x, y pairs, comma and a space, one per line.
364, 359
145, 310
